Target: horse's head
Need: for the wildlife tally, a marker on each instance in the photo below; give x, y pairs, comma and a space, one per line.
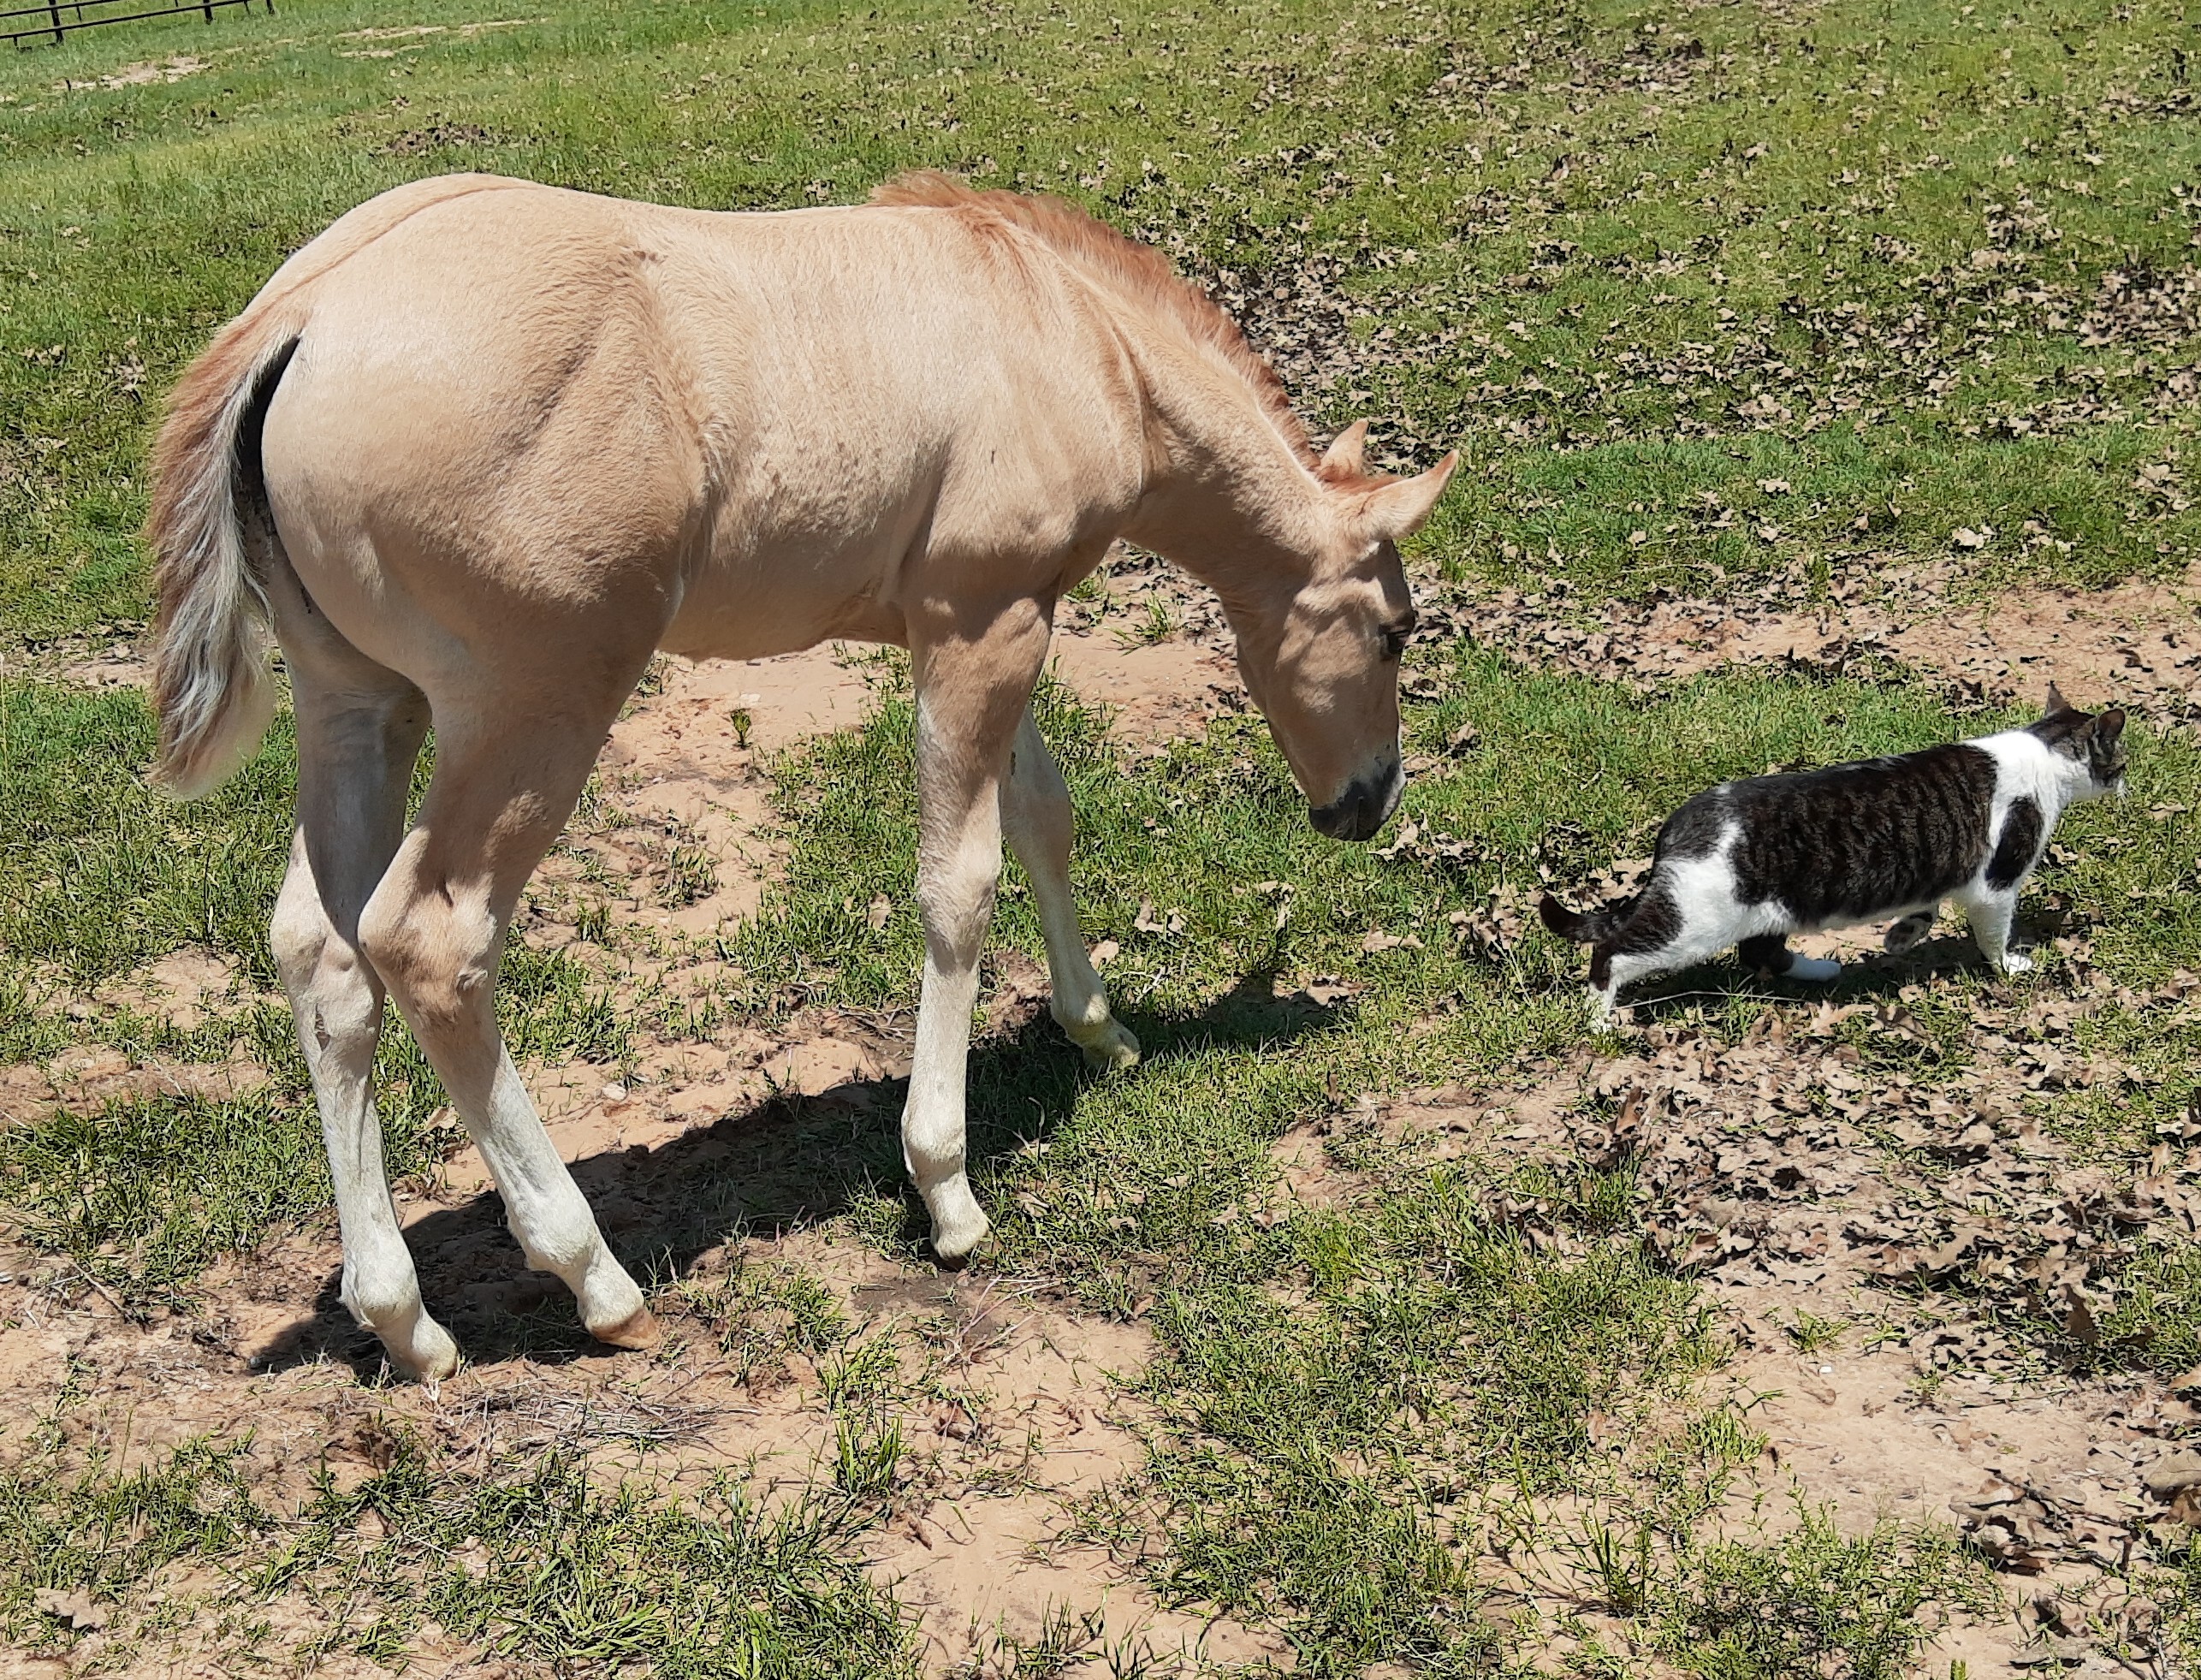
1323, 664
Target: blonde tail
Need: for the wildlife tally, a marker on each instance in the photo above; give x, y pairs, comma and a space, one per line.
212, 689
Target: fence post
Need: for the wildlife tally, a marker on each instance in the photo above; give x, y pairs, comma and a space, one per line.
54, 8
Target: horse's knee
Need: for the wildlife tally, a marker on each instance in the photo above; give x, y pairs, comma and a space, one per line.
332, 992
437, 953
1035, 804
956, 891
298, 932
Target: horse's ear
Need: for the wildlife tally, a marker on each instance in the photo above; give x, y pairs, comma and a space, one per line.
1343, 458
1390, 511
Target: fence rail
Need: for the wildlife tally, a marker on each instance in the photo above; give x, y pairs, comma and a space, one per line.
56, 25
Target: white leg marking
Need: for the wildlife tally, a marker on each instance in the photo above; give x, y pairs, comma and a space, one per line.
957, 876
337, 1003
439, 954
1816, 969
1036, 819
1992, 915
550, 1216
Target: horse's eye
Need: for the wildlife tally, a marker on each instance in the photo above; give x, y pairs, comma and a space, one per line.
1395, 639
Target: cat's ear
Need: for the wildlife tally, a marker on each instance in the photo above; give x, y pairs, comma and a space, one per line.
2108, 725
2056, 703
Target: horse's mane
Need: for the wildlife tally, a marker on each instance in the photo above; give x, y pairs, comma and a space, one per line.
1137, 271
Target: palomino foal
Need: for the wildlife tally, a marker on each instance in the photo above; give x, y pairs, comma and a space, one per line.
481, 448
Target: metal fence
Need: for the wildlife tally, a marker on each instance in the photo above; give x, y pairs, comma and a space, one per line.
58, 17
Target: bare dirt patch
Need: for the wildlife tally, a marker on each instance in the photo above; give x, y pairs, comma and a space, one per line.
86, 1080
1920, 1275
175, 67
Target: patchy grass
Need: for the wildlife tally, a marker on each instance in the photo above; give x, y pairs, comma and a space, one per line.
1344, 1394
534, 1564
1812, 1601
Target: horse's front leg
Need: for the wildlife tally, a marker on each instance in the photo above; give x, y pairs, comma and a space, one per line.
1036, 816
971, 691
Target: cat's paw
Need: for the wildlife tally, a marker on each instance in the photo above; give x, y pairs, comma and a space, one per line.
1818, 969
1907, 933
2016, 962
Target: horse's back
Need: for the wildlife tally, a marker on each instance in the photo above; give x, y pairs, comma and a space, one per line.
511, 400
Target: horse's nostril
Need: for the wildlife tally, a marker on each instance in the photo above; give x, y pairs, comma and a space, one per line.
1332, 821
1360, 810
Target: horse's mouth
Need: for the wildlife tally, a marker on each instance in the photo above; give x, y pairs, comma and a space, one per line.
1364, 807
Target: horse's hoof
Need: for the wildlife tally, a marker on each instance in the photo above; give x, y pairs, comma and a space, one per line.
1113, 1049
427, 1354
952, 1250
959, 1261
639, 1331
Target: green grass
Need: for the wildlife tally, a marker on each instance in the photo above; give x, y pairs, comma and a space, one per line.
1747, 1610
1588, 242
538, 1565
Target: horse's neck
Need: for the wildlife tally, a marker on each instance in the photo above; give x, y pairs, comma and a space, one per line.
1228, 498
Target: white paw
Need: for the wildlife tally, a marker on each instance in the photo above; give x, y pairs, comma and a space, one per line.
1912, 931
1818, 969
2016, 962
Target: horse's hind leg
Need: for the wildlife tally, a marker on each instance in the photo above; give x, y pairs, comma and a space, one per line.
360, 727
1035, 818
507, 772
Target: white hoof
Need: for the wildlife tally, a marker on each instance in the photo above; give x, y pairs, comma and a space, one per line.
1109, 1046
423, 1349
959, 1224
2016, 962
611, 1304
1817, 970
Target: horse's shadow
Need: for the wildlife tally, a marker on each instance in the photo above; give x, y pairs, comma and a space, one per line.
764, 1170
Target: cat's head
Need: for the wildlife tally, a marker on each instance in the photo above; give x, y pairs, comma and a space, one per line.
2093, 741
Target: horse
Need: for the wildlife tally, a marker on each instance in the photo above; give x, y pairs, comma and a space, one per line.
484, 447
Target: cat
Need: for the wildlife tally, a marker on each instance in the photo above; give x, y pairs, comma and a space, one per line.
1749, 862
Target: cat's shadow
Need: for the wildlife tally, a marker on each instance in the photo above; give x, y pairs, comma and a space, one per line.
1865, 975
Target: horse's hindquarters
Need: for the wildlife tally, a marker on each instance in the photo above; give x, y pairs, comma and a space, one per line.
472, 481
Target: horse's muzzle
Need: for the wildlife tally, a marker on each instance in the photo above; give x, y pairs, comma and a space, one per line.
1363, 808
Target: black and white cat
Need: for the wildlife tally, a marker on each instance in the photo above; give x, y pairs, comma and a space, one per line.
1750, 862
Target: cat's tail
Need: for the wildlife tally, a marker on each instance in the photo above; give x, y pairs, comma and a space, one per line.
1584, 927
